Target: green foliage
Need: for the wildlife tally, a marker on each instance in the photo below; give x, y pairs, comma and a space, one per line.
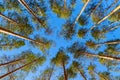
39, 17
60, 10
95, 18
2, 9
60, 59
115, 16
82, 32
91, 44
84, 1
82, 21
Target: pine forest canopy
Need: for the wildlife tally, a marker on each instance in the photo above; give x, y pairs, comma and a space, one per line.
59, 40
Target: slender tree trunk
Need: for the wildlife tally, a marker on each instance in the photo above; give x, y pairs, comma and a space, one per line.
82, 74
116, 9
65, 74
5, 31
80, 12
8, 70
113, 28
101, 56
30, 10
51, 73
100, 75
111, 5
11, 62
65, 5
5, 17
19, 68
94, 10
108, 42
6, 45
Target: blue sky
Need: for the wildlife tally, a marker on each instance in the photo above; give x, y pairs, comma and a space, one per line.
56, 24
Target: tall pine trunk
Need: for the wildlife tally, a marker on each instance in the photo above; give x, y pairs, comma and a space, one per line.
11, 62
65, 73
82, 74
102, 56
5, 31
80, 12
113, 11
5, 17
26, 65
108, 42
51, 73
30, 10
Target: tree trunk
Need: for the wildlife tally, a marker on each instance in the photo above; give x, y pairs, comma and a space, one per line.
11, 62
93, 10
102, 56
81, 12
108, 42
19, 68
65, 74
5, 31
82, 74
5, 17
117, 8
51, 73
30, 10
100, 75
111, 5
6, 45
65, 5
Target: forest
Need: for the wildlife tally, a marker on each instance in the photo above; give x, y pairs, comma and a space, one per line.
59, 40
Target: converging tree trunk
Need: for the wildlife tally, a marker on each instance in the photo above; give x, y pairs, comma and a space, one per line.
26, 65
5, 17
100, 75
101, 56
65, 73
30, 10
51, 73
65, 5
113, 4
5, 31
108, 42
93, 10
11, 62
82, 74
117, 8
81, 12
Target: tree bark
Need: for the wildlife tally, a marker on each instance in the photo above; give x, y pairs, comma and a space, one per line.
81, 12
51, 73
111, 5
65, 5
117, 8
19, 68
11, 62
100, 75
82, 74
102, 56
5, 17
65, 74
30, 10
93, 10
6, 45
108, 42
5, 31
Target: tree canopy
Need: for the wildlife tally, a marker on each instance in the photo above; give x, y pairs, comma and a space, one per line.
59, 39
